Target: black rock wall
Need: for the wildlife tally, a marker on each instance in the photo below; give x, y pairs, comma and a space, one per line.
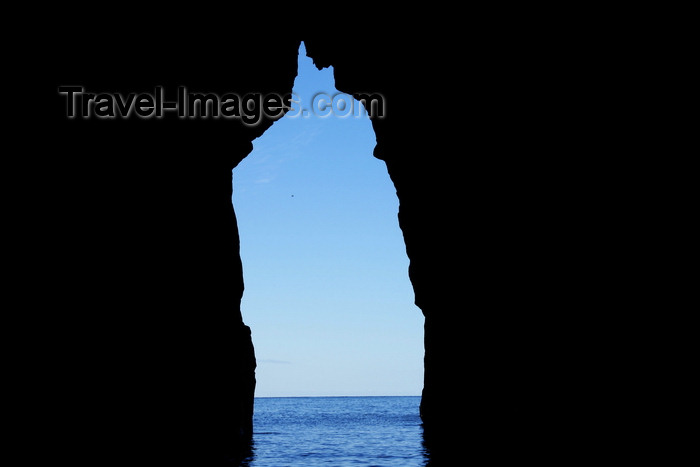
153, 357
152, 362
138, 345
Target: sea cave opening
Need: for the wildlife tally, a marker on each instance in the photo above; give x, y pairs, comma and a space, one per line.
327, 293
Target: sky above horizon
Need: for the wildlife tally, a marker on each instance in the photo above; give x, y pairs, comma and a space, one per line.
327, 293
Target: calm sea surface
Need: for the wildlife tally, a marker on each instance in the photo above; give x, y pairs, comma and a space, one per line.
337, 431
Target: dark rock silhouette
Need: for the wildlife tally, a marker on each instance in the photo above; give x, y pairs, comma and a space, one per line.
152, 357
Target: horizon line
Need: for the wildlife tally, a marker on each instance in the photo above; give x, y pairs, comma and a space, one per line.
291, 397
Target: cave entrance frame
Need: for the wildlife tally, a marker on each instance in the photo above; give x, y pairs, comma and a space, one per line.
293, 137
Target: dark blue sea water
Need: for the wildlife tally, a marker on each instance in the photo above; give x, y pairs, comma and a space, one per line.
337, 431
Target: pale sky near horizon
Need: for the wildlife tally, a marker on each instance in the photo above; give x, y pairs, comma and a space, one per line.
327, 293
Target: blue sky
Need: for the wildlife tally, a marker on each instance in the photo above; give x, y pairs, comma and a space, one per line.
327, 293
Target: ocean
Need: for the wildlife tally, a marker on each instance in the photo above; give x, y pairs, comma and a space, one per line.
337, 431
